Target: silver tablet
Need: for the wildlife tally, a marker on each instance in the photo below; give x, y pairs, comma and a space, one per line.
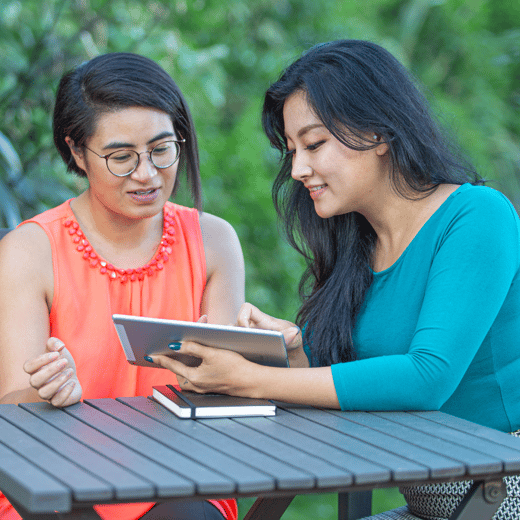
141, 337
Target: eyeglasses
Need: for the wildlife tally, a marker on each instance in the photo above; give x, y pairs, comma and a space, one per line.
124, 162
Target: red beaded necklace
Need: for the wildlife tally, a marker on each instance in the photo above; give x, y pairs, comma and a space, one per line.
125, 275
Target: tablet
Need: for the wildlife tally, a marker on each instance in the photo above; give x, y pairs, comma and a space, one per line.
142, 336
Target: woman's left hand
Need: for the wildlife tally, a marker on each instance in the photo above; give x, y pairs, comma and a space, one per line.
220, 371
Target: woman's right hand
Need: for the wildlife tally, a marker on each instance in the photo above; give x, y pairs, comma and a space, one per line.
251, 317
53, 375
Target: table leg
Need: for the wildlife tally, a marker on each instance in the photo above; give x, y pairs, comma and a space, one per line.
482, 501
354, 505
268, 508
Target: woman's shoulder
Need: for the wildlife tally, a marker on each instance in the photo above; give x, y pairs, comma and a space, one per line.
477, 207
214, 225
218, 235
483, 199
26, 255
61, 212
481, 215
221, 243
30, 241
31, 235
211, 226
28, 236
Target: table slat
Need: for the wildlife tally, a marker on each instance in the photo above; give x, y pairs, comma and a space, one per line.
367, 453
27, 438
475, 430
23, 482
125, 484
84, 485
508, 455
325, 474
474, 461
202, 478
164, 481
362, 471
434, 464
284, 476
246, 478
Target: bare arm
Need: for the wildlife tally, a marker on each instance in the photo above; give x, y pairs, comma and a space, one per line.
29, 360
224, 292
227, 372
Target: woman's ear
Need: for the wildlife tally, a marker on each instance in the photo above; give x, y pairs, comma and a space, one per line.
76, 152
382, 148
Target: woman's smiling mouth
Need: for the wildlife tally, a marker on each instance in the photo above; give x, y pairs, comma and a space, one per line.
317, 191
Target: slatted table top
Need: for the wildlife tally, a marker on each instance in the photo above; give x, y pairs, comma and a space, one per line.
133, 449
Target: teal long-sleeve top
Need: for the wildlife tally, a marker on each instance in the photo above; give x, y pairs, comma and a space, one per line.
440, 328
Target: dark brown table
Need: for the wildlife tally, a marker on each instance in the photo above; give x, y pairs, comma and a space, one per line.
57, 463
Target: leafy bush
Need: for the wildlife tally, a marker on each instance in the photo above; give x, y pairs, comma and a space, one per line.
223, 57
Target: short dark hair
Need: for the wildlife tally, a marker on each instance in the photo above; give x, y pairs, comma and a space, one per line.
356, 88
115, 81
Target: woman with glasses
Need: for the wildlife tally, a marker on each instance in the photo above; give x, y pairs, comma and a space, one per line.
411, 299
120, 247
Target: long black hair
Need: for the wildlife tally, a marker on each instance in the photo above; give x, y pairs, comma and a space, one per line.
115, 81
356, 88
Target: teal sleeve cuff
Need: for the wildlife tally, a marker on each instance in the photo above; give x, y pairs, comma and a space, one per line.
338, 378
306, 347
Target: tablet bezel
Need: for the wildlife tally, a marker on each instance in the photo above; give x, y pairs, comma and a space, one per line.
143, 336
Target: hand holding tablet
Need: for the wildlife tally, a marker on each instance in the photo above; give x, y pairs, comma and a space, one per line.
141, 336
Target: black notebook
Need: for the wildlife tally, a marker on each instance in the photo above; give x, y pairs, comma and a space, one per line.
190, 405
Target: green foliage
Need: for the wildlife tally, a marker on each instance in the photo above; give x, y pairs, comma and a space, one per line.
223, 57
325, 506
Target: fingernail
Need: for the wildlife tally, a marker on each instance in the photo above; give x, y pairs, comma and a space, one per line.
149, 359
175, 346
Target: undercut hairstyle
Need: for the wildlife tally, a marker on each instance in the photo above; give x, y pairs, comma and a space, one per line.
115, 81
355, 88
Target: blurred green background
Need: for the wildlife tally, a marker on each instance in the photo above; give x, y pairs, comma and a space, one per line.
224, 55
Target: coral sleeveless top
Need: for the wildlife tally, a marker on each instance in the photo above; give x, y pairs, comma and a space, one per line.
88, 290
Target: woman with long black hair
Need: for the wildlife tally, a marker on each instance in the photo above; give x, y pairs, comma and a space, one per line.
411, 297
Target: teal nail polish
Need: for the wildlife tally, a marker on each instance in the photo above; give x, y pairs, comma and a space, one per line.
175, 346
149, 359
